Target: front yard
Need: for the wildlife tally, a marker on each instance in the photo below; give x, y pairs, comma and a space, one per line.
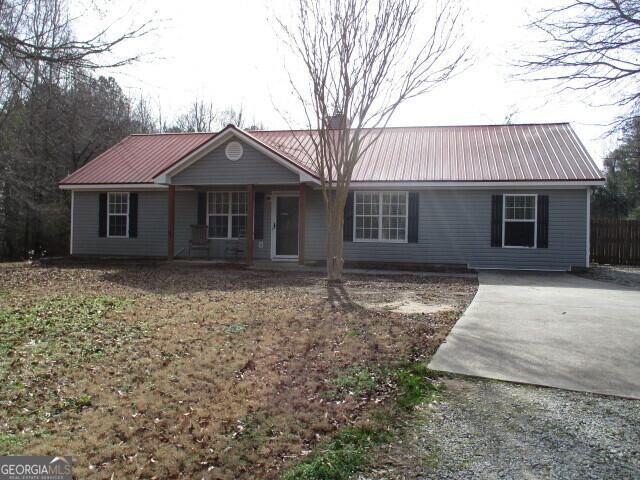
220, 373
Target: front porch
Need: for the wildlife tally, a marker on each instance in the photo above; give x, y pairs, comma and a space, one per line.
237, 223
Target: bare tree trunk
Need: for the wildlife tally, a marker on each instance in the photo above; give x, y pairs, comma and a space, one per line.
3, 215
335, 226
334, 200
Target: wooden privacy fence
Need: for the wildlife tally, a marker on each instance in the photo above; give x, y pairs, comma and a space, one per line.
615, 241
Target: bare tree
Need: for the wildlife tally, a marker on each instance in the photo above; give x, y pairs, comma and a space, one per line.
204, 117
237, 117
199, 118
38, 34
233, 116
143, 118
362, 59
590, 44
41, 30
512, 112
46, 127
49, 134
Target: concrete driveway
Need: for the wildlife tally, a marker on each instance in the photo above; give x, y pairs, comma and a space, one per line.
552, 329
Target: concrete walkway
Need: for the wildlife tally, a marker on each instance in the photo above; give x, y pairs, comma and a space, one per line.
552, 329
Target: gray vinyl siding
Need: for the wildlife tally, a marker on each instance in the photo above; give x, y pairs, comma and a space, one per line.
252, 168
455, 228
152, 227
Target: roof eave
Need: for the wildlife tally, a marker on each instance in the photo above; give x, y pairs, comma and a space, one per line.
500, 184
521, 184
110, 186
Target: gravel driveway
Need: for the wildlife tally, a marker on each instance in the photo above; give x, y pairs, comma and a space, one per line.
620, 274
489, 429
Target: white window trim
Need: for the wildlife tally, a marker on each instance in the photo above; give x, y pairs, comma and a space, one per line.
109, 215
535, 218
380, 239
229, 215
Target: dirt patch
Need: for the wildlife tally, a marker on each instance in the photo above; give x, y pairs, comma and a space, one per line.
199, 372
409, 307
394, 298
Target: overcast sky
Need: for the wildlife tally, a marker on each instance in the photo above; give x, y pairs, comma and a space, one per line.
229, 52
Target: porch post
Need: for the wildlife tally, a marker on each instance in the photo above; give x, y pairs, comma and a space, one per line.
249, 233
171, 220
301, 217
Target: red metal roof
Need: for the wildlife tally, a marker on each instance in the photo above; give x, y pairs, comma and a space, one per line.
138, 158
535, 152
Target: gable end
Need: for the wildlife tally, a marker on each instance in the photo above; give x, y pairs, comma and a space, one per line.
252, 167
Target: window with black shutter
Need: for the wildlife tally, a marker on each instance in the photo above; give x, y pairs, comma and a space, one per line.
519, 220
227, 214
118, 215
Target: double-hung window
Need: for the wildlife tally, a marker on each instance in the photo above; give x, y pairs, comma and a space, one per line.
227, 214
380, 216
519, 221
118, 214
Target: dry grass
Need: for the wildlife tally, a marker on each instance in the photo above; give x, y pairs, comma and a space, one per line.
167, 371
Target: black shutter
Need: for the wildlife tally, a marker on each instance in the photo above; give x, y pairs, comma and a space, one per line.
347, 233
496, 220
202, 208
258, 216
413, 220
543, 221
133, 215
102, 215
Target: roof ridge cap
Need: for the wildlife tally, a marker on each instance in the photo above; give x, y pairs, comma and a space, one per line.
424, 126
169, 133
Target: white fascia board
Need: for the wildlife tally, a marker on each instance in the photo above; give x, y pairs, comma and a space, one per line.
112, 186
218, 140
191, 186
578, 184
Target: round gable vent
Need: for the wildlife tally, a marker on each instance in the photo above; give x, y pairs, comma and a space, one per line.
233, 151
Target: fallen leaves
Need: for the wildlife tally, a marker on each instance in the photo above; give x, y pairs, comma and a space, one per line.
203, 372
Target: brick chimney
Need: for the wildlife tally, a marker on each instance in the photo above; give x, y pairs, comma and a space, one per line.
336, 121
